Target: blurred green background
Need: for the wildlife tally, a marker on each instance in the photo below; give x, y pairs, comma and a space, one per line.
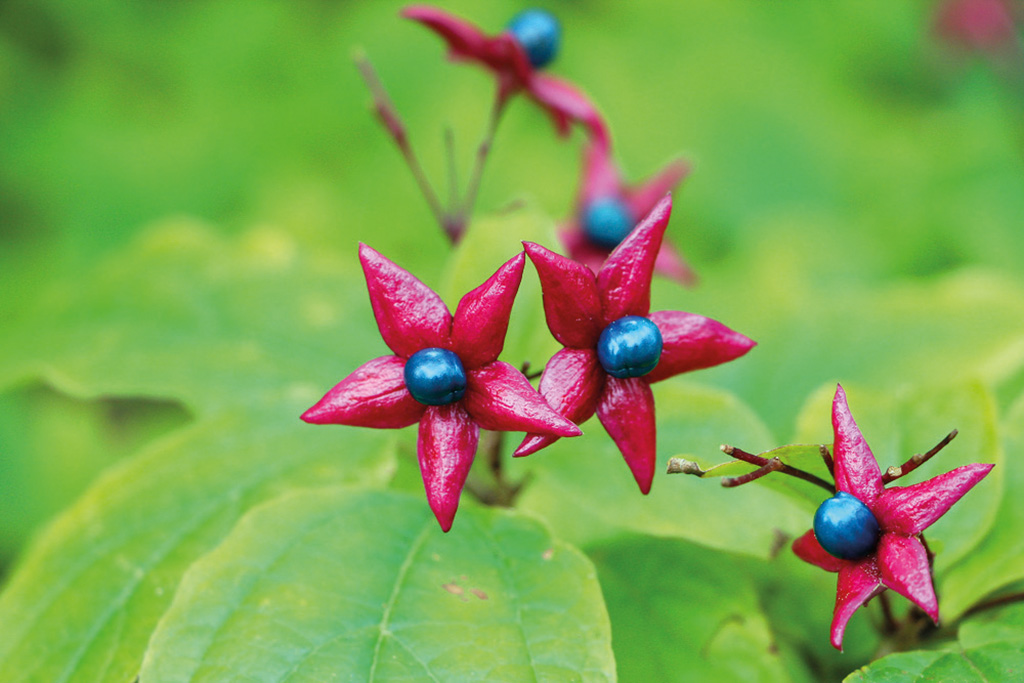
857, 203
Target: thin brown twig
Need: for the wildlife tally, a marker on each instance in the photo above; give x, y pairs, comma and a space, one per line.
461, 217
894, 473
773, 465
829, 462
740, 454
392, 122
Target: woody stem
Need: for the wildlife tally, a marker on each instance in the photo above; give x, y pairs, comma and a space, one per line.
894, 473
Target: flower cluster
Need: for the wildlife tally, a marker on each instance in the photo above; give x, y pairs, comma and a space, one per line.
445, 373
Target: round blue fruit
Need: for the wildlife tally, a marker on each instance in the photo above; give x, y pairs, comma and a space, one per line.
607, 222
845, 527
629, 347
538, 33
435, 377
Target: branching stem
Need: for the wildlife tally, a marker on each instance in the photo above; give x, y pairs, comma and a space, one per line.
741, 454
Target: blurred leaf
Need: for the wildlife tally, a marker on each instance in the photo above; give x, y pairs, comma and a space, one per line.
998, 560
85, 598
358, 585
187, 315
55, 445
687, 613
586, 492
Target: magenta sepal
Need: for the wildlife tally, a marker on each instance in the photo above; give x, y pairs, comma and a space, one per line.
601, 180
856, 469
411, 317
572, 306
626, 410
691, 342
481, 318
571, 384
624, 281
372, 396
447, 443
900, 560
858, 582
912, 509
500, 398
809, 550
903, 561
508, 61
409, 314
578, 306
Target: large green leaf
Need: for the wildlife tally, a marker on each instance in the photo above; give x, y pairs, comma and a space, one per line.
54, 446
990, 650
246, 334
688, 613
584, 489
84, 600
185, 314
998, 560
365, 586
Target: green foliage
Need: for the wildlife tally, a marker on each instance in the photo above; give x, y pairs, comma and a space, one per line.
182, 188
335, 581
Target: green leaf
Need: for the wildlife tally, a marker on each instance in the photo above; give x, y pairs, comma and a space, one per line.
55, 445
85, 598
365, 586
997, 663
998, 560
188, 315
687, 613
584, 489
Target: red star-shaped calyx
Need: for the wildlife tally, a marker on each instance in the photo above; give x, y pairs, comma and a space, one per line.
579, 306
602, 182
510, 64
900, 560
411, 318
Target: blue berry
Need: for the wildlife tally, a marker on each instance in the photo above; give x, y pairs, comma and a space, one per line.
845, 527
607, 222
435, 377
538, 33
629, 347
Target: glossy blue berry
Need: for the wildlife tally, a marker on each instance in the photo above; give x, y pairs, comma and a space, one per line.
607, 222
538, 33
629, 347
845, 527
435, 377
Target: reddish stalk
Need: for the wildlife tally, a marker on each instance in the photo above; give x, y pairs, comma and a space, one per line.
915, 461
